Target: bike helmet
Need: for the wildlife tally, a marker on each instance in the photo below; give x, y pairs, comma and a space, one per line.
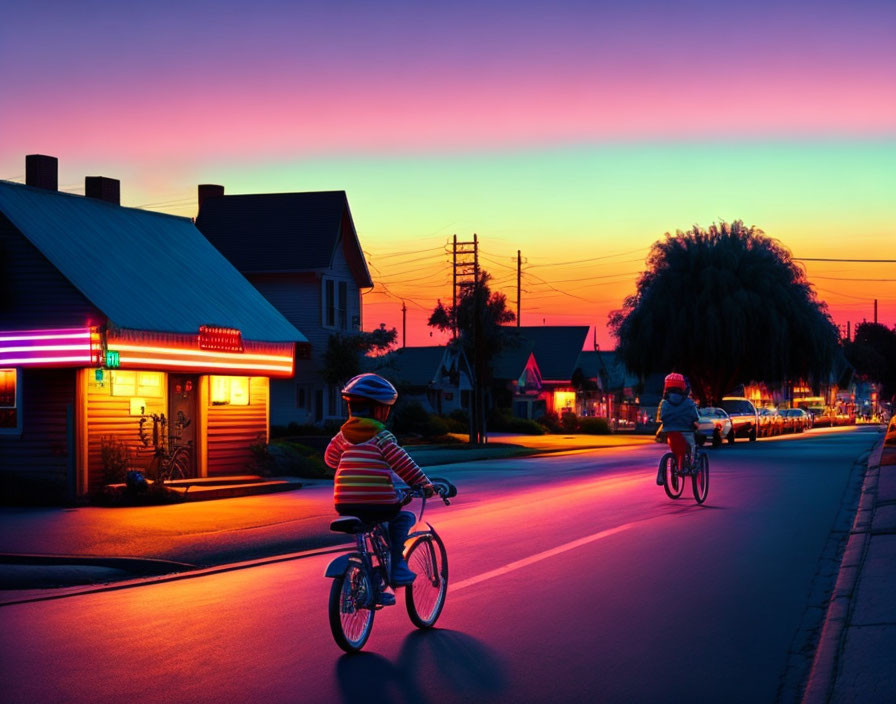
674, 381
371, 387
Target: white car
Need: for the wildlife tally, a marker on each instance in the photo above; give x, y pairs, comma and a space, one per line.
714, 425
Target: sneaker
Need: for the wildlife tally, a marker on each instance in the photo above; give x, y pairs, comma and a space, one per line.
402, 574
660, 477
386, 599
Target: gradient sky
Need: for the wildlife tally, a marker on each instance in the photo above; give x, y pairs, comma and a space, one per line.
576, 132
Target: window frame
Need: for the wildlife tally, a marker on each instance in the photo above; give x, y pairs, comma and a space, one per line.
328, 302
17, 403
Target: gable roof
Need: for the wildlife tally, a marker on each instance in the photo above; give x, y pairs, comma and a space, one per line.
283, 232
143, 270
606, 367
556, 348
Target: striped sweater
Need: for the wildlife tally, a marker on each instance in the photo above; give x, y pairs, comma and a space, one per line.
364, 455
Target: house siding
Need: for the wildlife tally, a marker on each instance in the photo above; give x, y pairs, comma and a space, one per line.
109, 417
299, 297
39, 463
231, 430
33, 294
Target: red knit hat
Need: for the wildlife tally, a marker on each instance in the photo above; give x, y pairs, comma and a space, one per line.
674, 381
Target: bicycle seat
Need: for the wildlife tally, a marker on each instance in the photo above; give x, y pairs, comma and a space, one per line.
349, 524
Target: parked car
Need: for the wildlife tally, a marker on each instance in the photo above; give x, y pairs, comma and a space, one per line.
822, 417
715, 426
800, 420
744, 419
788, 422
770, 422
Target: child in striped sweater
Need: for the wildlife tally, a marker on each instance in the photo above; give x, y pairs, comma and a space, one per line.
365, 455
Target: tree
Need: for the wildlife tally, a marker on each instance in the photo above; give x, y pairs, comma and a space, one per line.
873, 354
342, 358
725, 306
477, 317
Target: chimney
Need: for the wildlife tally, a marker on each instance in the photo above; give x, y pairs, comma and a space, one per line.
102, 188
42, 171
208, 190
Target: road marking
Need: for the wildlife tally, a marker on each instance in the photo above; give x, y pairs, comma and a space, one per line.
532, 559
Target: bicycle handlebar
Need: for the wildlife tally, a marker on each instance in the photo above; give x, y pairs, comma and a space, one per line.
442, 487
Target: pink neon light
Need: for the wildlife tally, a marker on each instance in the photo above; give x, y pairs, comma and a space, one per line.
48, 347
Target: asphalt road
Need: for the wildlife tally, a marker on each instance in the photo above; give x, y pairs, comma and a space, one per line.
573, 577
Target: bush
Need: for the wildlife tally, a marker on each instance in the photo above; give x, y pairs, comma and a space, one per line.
502, 421
461, 416
114, 455
569, 422
283, 457
410, 418
551, 422
594, 426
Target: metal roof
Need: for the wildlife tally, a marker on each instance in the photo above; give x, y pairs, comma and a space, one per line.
143, 270
282, 232
412, 366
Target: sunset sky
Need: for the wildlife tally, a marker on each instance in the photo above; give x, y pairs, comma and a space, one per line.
576, 132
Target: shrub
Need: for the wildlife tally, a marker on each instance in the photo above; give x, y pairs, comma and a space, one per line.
456, 425
551, 422
114, 455
461, 416
410, 418
594, 426
293, 459
502, 421
569, 422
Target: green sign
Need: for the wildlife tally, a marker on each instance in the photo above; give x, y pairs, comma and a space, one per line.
98, 375
112, 360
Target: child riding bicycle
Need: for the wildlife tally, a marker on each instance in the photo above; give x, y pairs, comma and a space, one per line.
677, 413
365, 455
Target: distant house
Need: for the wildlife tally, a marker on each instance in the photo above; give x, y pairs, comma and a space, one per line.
111, 314
534, 376
301, 251
609, 390
438, 377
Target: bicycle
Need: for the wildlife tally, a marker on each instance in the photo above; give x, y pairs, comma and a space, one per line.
678, 464
167, 463
360, 577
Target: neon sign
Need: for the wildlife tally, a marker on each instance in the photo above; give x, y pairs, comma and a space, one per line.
66, 347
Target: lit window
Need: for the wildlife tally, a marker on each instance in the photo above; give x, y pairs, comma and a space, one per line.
564, 399
141, 384
10, 419
229, 390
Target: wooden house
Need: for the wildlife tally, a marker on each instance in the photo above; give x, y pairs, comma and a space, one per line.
301, 251
110, 315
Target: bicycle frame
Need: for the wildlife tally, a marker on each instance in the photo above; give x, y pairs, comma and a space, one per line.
680, 448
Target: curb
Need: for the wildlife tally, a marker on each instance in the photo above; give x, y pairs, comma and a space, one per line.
824, 665
140, 565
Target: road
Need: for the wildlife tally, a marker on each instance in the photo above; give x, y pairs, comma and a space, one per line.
573, 577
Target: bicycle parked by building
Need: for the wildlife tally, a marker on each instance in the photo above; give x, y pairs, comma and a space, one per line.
361, 576
170, 460
678, 464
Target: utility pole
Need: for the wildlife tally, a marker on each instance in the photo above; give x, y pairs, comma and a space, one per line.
875, 311
519, 263
465, 281
404, 324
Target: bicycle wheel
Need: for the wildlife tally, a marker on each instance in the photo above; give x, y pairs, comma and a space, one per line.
351, 608
700, 479
179, 466
425, 597
674, 483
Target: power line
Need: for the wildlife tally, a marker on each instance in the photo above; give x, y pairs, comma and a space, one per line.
836, 278
854, 261
590, 259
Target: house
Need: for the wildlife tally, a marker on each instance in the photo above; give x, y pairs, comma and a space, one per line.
607, 388
110, 315
301, 251
437, 377
534, 372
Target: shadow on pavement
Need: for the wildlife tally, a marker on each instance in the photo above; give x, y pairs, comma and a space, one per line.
433, 665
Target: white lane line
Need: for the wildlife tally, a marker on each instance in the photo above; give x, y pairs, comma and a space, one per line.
532, 559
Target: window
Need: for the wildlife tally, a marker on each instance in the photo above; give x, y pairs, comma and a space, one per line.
331, 392
343, 302
329, 303
139, 384
301, 396
10, 414
229, 390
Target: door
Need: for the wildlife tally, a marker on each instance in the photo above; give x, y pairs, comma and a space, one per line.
182, 397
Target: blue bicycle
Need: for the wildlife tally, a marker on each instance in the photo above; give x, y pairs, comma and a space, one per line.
361, 576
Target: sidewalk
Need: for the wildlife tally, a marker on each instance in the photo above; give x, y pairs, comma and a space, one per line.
47, 549
854, 659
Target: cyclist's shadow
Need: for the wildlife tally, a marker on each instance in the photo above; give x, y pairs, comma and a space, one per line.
433, 661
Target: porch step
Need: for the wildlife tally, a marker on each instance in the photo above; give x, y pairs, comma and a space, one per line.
197, 491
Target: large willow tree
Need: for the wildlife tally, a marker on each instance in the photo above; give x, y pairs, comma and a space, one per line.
725, 306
